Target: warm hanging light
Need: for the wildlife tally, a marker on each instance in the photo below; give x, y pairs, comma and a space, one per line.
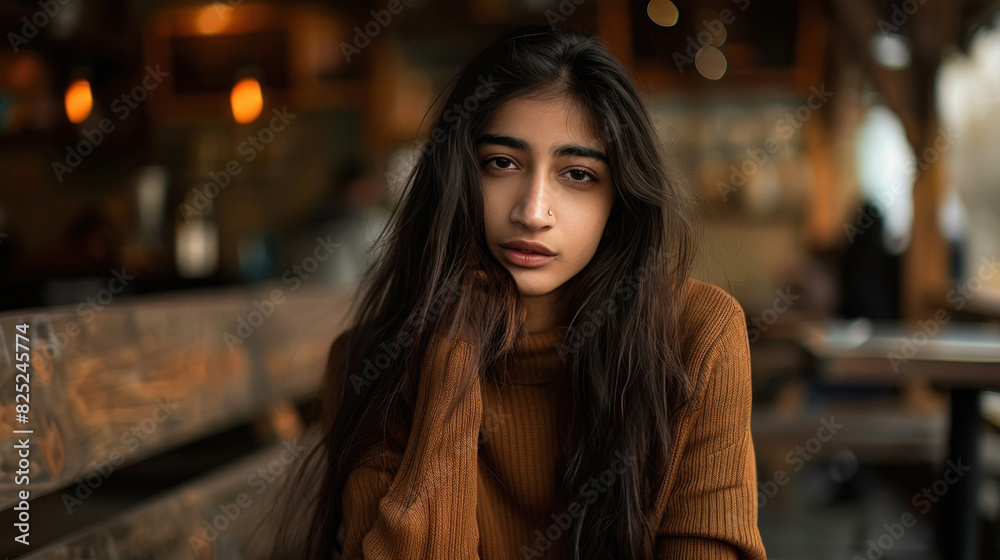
213, 19
246, 100
79, 101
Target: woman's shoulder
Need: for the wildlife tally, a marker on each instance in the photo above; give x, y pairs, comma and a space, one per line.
705, 306
710, 320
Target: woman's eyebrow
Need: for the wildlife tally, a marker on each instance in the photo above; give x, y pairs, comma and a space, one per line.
501, 140
561, 151
581, 151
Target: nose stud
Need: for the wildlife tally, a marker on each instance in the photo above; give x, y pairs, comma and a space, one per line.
550, 212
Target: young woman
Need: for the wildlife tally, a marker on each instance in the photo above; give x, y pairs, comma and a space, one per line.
531, 372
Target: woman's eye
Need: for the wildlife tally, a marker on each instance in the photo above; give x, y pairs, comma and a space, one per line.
581, 176
500, 163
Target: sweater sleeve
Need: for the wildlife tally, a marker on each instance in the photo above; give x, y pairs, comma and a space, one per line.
420, 502
711, 512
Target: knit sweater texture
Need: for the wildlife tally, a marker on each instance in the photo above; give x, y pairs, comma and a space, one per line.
484, 482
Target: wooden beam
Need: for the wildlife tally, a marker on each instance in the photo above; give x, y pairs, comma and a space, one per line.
615, 28
858, 22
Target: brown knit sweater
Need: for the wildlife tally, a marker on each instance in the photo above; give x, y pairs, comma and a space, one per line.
446, 496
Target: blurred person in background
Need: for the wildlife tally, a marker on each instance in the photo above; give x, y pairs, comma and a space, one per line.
869, 274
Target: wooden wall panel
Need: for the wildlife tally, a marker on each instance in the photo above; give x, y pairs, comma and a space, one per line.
150, 373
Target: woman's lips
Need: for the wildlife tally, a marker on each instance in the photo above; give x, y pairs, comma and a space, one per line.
527, 260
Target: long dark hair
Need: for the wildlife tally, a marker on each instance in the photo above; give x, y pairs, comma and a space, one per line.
626, 374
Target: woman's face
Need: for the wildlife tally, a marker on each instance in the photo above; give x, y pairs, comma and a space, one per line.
535, 156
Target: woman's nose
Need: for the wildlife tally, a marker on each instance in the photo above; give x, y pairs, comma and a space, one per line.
534, 203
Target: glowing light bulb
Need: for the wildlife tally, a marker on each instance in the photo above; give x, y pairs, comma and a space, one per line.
213, 19
79, 101
246, 100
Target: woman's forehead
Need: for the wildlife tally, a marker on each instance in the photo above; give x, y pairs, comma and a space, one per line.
557, 118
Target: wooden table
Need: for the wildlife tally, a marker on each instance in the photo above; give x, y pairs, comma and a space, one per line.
964, 358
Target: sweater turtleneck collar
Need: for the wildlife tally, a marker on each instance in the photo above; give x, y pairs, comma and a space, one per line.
535, 359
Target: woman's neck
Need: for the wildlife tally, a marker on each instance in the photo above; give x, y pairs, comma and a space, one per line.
544, 312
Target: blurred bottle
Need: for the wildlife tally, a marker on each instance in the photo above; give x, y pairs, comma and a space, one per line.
256, 256
197, 236
145, 251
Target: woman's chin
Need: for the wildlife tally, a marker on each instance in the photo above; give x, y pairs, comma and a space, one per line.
533, 289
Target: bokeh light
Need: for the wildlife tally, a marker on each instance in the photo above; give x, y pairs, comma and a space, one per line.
247, 100
663, 12
891, 50
710, 62
79, 101
213, 19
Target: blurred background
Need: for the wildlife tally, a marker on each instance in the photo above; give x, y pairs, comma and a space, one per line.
189, 191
